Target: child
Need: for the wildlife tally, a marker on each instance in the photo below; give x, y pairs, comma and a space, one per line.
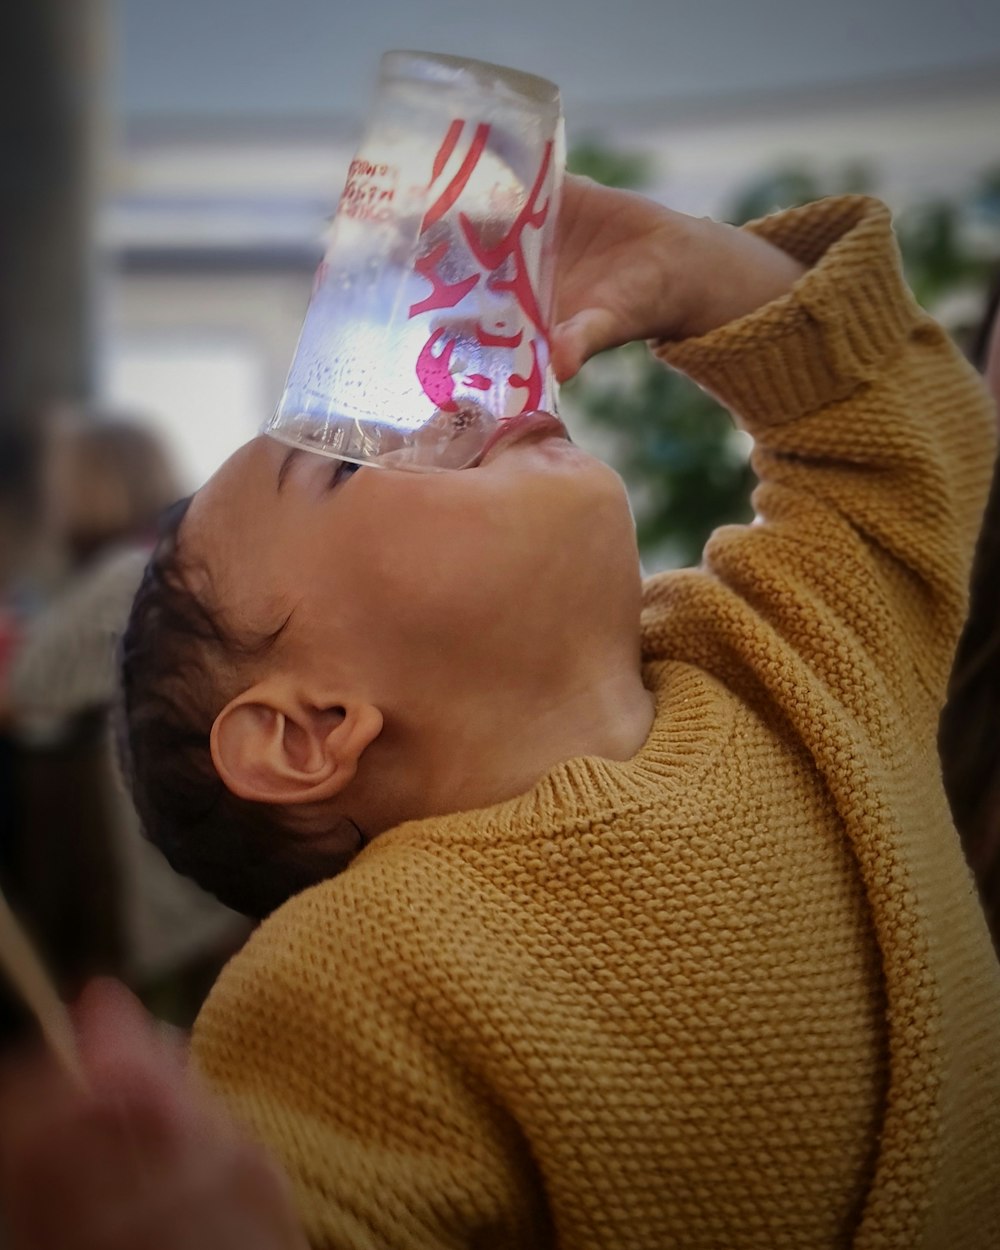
660, 933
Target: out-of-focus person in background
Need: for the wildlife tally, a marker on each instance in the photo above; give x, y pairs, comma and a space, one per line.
970, 725
108, 479
100, 898
103, 484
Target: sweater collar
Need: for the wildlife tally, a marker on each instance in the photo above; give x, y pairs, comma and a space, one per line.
690, 726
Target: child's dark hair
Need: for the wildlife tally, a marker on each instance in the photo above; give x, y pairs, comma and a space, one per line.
178, 668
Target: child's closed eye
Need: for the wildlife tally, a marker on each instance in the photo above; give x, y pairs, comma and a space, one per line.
343, 469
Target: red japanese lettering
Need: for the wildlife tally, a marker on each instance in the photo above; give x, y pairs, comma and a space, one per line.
434, 373
511, 247
532, 383
486, 338
462, 175
447, 147
443, 294
507, 270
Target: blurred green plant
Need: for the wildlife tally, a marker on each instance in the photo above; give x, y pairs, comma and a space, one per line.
686, 467
939, 256
594, 159
789, 185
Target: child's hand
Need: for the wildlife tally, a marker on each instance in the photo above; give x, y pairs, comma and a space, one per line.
631, 269
143, 1160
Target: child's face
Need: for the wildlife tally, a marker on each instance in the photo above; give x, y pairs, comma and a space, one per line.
366, 563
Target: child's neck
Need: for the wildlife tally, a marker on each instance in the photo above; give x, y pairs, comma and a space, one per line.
493, 739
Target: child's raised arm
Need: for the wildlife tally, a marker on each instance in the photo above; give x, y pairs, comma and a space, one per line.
832, 621
872, 435
873, 446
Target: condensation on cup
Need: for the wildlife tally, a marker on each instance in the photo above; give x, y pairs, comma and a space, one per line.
428, 326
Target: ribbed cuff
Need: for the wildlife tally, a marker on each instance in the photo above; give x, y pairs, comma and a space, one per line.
827, 336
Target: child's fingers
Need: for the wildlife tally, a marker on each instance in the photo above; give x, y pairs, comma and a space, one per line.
56, 1152
136, 1092
118, 1038
34, 1092
139, 1081
583, 335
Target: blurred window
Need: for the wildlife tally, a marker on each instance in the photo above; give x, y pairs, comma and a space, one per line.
204, 397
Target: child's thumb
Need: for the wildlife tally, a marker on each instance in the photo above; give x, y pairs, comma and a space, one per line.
575, 340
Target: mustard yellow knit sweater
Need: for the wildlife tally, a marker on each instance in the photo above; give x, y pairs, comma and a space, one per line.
736, 992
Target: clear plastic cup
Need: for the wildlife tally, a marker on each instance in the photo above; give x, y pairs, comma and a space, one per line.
429, 322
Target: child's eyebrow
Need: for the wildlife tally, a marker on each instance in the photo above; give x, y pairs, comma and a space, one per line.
286, 465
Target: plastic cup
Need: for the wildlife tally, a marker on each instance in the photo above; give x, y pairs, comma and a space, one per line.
429, 322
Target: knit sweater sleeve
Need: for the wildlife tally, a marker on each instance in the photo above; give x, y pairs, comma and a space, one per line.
324, 1039
872, 446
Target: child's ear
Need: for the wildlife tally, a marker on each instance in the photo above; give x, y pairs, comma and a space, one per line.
275, 744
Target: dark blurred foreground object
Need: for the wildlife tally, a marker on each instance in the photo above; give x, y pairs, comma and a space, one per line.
143, 1159
969, 737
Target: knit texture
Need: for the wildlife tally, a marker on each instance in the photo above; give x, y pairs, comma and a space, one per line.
737, 991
